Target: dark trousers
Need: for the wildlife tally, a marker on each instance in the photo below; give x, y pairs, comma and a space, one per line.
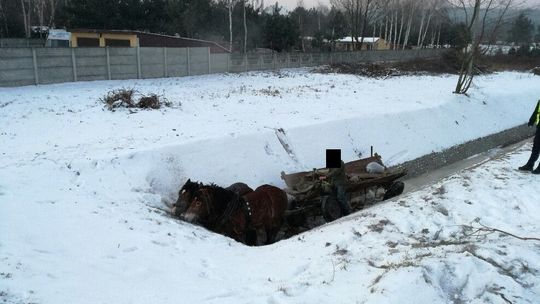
341, 195
536, 148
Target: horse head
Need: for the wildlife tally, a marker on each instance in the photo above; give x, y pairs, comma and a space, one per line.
185, 195
200, 208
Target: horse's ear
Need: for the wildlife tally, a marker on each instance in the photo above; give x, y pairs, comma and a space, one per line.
188, 180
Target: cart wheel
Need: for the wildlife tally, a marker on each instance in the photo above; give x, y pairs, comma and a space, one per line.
395, 189
331, 209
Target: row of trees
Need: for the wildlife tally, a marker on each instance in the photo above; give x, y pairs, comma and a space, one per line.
246, 24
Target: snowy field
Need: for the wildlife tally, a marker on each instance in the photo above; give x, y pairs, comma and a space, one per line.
78, 185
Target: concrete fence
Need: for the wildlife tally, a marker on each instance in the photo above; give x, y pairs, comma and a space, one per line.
27, 66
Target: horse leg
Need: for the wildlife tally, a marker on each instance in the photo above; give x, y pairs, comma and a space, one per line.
271, 236
262, 236
251, 237
272, 233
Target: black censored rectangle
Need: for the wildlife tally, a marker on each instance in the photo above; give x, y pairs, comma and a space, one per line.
333, 158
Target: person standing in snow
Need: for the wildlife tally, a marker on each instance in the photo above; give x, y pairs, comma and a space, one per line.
534, 120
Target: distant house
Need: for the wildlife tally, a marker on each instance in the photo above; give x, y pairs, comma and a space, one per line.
369, 43
123, 38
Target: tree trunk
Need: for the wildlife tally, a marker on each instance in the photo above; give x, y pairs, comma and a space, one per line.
439, 36
245, 27
395, 29
421, 28
52, 13
230, 24
25, 19
390, 32
373, 37
409, 25
401, 24
426, 29
386, 28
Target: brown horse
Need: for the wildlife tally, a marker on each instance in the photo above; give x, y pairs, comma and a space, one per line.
223, 211
185, 195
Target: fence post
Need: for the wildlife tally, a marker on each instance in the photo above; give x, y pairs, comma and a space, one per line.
261, 61
34, 60
311, 59
245, 63
138, 62
188, 62
288, 60
209, 61
165, 68
274, 59
108, 62
74, 64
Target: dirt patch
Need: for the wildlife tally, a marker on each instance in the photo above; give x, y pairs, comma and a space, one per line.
449, 63
444, 65
511, 63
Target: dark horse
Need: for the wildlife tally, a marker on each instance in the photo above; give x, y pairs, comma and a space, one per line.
185, 195
225, 212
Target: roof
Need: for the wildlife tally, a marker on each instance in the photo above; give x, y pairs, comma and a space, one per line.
366, 39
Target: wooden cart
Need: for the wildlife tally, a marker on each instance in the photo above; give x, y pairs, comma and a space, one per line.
313, 197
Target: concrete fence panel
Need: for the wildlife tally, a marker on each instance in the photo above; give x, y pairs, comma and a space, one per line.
16, 67
152, 62
236, 63
54, 65
123, 62
253, 62
177, 62
219, 63
91, 64
198, 59
267, 61
282, 61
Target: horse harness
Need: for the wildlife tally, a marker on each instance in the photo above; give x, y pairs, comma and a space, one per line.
232, 207
247, 212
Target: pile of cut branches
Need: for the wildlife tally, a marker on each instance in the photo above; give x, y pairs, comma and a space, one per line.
126, 98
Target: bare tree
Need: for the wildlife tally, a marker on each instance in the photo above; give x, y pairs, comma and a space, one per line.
358, 13
230, 7
365, 18
485, 15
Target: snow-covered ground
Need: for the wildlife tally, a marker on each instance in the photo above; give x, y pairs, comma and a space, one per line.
77, 183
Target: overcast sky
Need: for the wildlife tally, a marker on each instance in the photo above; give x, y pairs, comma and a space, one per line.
291, 4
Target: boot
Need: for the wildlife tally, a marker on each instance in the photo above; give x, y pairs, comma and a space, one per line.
527, 167
537, 170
